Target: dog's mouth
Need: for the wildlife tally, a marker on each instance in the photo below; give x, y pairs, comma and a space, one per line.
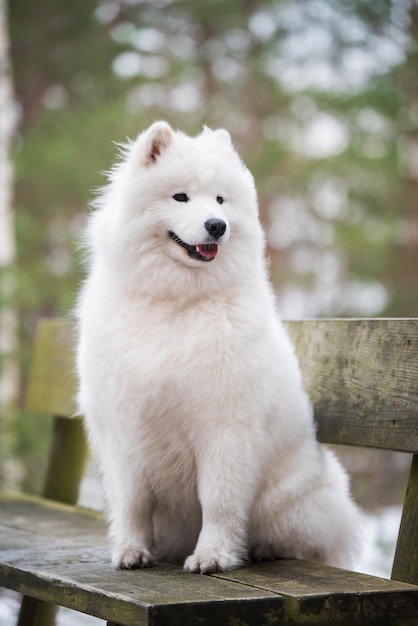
202, 252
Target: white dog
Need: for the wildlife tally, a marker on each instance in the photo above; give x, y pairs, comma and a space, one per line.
190, 388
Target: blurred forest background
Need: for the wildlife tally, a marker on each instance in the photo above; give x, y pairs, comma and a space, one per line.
320, 96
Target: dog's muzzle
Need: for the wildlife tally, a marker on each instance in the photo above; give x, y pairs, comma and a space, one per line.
205, 251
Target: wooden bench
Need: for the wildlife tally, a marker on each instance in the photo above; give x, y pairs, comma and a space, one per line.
362, 376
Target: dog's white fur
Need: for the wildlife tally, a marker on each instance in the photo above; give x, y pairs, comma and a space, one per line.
190, 388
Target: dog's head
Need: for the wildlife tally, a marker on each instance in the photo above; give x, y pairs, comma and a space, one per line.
181, 200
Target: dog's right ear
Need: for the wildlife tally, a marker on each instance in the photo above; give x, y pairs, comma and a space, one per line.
154, 141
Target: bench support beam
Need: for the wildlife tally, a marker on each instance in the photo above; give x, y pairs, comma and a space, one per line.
67, 460
405, 565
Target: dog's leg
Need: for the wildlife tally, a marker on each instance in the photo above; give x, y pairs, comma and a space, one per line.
307, 514
226, 484
132, 527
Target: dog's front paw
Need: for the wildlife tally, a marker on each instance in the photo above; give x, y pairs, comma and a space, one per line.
126, 556
210, 560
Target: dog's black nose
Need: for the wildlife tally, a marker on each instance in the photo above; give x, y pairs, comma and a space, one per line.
215, 227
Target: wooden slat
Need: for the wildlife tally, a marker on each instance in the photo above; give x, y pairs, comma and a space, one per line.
52, 384
362, 378
67, 460
360, 374
318, 594
60, 554
37, 613
405, 565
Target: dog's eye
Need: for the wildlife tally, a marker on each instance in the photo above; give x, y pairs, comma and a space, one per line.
219, 200
181, 197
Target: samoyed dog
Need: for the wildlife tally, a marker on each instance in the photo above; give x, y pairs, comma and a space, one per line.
190, 388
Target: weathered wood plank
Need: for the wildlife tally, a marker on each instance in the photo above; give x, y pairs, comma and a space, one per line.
362, 378
67, 459
52, 384
317, 594
56, 522
60, 555
38, 613
360, 374
85, 582
405, 565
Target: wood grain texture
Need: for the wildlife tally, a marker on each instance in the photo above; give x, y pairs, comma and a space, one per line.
318, 594
362, 378
360, 374
67, 459
59, 554
33, 612
405, 565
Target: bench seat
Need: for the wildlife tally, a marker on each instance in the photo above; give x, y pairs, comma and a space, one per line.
59, 553
362, 378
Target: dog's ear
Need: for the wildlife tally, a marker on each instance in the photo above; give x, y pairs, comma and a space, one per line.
222, 135
156, 139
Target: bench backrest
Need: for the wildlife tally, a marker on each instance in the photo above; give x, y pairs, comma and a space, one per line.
361, 375
51, 391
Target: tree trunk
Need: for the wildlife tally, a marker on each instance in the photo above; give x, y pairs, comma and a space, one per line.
8, 319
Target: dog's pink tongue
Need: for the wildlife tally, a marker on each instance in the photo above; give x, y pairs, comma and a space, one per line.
208, 250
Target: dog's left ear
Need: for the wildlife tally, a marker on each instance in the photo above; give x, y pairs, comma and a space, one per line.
156, 139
